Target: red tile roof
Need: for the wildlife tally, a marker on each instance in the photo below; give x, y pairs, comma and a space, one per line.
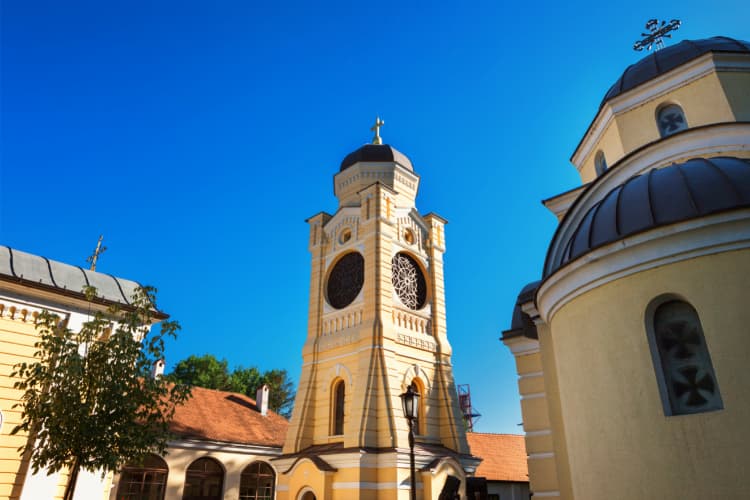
228, 417
503, 456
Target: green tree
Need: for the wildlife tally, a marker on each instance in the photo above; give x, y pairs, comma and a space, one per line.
209, 372
89, 398
203, 371
281, 391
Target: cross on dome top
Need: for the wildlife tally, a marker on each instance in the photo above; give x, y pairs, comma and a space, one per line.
658, 31
376, 128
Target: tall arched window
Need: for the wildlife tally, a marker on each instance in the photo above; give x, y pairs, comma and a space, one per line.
600, 163
257, 482
686, 376
337, 408
420, 426
204, 480
146, 481
671, 119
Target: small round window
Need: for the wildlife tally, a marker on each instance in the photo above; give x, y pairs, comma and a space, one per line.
409, 236
345, 236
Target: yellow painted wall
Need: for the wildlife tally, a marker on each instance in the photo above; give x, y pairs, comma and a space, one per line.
737, 89
619, 442
17, 338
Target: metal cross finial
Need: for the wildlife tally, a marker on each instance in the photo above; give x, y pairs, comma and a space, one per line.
97, 252
376, 128
658, 31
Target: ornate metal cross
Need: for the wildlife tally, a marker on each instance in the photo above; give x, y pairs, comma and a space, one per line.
658, 31
97, 252
376, 128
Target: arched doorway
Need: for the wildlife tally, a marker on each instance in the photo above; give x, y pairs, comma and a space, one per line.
143, 481
204, 480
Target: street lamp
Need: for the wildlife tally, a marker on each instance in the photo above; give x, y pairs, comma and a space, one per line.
410, 402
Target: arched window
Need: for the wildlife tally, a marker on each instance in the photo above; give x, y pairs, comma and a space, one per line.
257, 482
683, 365
143, 481
600, 163
671, 119
204, 480
337, 408
420, 426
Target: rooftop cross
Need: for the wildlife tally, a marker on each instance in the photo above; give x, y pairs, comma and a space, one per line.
376, 128
658, 31
97, 252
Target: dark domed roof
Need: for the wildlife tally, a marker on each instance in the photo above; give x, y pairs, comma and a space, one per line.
521, 323
376, 153
679, 192
668, 58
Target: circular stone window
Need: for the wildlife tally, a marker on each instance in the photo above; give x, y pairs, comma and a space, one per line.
345, 280
408, 281
409, 236
345, 236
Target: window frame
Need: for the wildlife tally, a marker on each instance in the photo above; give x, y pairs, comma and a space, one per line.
656, 356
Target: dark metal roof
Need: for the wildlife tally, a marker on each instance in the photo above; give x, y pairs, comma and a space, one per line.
668, 58
376, 153
679, 192
30, 269
521, 323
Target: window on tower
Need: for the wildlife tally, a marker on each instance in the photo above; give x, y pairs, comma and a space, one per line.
670, 119
600, 163
337, 409
683, 365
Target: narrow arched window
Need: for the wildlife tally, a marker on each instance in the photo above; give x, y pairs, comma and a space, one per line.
671, 119
204, 480
600, 163
420, 425
686, 376
257, 482
339, 392
143, 481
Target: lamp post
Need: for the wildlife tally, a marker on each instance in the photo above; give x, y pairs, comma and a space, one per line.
410, 402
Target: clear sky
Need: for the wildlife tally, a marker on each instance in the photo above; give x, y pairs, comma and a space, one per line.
198, 136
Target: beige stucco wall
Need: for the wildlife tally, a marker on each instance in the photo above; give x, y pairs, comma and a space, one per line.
716, 97
619, 442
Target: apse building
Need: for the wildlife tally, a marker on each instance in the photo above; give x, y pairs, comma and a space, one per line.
632, 349
376, 325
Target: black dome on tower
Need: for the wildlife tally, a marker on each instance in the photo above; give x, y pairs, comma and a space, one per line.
376, 153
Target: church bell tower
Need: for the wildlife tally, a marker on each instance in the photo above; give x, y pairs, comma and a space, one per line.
376, 325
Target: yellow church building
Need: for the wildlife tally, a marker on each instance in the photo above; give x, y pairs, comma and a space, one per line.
631, 350
376, 326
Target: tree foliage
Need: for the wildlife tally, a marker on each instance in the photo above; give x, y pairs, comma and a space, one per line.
211, 373
89, 399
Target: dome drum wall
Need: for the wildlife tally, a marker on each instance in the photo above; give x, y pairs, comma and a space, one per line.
608, 367
710, 85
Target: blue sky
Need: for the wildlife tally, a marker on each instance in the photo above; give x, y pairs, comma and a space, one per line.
198, 136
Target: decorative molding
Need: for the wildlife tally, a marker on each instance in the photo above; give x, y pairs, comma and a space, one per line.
414, 371
219, 446
533, 395
419, 343
541, 456
661, 246
521, 346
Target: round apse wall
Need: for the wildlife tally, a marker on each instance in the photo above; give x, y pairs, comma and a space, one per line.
345, 280
408, 281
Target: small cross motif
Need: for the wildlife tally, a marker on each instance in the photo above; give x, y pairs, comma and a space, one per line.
376, 128
671, 122
657, 32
